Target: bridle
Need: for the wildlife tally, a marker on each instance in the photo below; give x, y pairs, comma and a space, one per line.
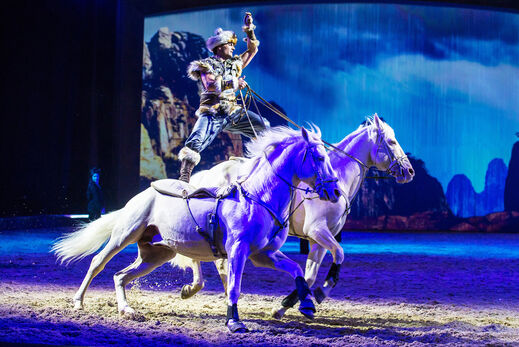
320, 180
392, 157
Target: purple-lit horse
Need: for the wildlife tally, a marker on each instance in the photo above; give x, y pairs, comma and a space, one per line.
371, 145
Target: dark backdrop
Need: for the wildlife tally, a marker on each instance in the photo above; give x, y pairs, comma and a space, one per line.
71, 91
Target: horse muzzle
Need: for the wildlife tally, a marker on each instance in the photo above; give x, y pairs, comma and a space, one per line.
402, 171
328, 190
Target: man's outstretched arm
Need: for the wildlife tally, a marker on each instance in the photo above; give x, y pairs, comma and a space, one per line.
252, 41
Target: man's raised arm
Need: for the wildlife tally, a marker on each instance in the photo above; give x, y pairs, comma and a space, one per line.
252, 41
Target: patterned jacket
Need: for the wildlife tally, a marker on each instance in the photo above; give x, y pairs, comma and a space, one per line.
224, 99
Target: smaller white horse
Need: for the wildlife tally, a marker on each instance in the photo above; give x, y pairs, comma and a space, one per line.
164, 221
371, 145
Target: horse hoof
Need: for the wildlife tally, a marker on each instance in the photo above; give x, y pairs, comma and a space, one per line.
128, 313
236, 326
132, 316
307, 313
78, 305
319, 295
307, 308
188, 291
278, 314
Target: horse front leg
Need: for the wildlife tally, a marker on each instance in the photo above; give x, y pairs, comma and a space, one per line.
313, 262
237, 258
278, 261
315, 258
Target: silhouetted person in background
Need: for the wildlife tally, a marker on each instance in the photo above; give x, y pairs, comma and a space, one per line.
95, 195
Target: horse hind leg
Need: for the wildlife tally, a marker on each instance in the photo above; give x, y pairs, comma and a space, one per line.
221, 267
150, 257
114, 246
188, 290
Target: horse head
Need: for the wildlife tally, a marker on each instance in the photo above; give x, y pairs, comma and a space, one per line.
315, 168
387, 155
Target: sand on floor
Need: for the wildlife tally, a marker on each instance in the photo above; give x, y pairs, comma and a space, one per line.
384, 299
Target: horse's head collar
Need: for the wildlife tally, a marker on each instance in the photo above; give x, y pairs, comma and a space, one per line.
325, 183
398, 165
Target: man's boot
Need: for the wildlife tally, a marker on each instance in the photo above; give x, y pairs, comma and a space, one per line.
189, 160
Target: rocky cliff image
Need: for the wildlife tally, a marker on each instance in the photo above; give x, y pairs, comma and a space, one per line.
512, 181
383, 196
383, 204
465, 202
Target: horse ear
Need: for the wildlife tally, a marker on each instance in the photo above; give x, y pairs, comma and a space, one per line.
377, 120
305, 134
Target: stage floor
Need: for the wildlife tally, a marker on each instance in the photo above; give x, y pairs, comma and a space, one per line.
394, 289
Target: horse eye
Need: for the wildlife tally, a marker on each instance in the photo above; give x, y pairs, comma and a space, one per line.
320, 158
391, 142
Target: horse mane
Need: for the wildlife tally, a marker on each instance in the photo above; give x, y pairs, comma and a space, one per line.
369, 125
280, 135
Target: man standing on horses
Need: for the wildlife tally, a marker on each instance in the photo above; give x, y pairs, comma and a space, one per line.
219, 80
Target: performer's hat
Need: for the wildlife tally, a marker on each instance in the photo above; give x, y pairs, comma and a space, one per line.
221, 37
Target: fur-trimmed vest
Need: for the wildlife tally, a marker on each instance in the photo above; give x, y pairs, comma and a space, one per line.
229, 70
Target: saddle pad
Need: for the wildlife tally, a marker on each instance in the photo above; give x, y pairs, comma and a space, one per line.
182, 189
173, 187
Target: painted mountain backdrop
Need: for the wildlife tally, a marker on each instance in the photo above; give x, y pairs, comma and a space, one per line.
512, 181
465, 202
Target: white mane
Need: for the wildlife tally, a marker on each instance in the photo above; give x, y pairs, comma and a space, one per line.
314, 129
371, 127
276, 136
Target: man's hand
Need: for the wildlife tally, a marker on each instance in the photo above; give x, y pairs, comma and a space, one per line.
247, 21
241, 83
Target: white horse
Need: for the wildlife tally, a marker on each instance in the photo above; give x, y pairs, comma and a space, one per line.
371, 145
164, 221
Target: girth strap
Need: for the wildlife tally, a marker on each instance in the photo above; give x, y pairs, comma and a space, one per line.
212, 227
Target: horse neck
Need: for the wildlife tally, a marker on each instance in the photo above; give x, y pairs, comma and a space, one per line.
265, 184
351, 174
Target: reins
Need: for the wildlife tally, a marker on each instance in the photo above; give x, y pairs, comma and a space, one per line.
252, 95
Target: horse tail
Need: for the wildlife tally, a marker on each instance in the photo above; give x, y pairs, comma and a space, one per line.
89, 238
